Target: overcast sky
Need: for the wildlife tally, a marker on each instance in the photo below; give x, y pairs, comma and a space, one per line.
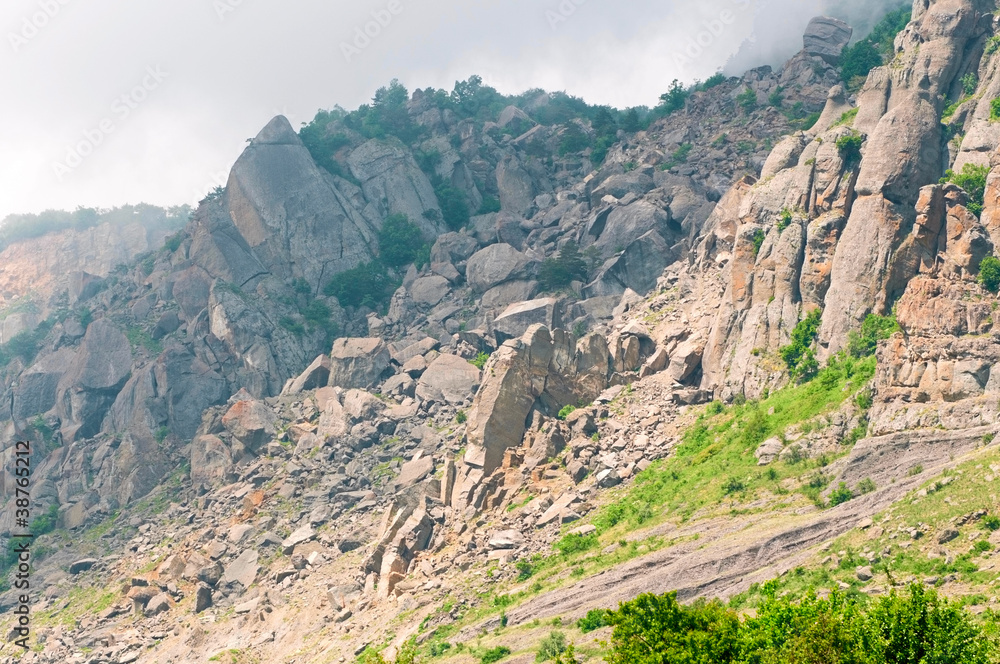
113, 101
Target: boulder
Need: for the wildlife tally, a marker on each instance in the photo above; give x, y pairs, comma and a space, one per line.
82, 565
450, 379
430, 291
315, 376
826, 37
203, 598
211, 460
495, 265
358, 363
252, 423
454, 248
518, 317
506, 539
768, 451
414, 471
242, 570
157, 604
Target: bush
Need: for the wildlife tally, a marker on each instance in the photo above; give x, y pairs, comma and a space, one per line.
840, 495
576, 543
673, 99
747, 100
989, 274
973, 180
551, 647
595, 619
494, 655
849, 147
479, 361
992, 45
573, 139
369, 285
561, 271
490, 204
758, 241
454, 206
861, 57
785, 220
969, 83
866, 485
399, 241
995, 110
875, 328
565, 412
798, 355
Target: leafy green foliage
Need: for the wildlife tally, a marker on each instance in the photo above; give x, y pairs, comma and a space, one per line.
758, 240
25, 345
849, 148
454, 205
785, 220
551, 647
989, 274
972, 179
595, 619
368, 285
995, 110
561, 271
575, 543
494, 655
490, 204
840, 495
875, 328
720, 446
992, 45
798, 355
673, 99
565, 412
747, 100
861, 57
322, 143
917, 627
969, 83
480, 360
715, 79
399, 241
679, 156
657, 629
573, 139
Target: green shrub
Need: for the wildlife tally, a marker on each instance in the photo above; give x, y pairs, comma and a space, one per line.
369, 285
991, 522
847, 119
399, 241
969, 83
849, 148
673, 99
861, 57
461, 417
595, 619
490, 204
747, 100
995, 110
866, 485
576, 543
840, 495
875, 328
559, 272
454, 206
494, 655
973, 180
758, 240
551, 647
798, 355
989, 274
524, 570
565, 412
785, 220
713, 80
573, 139
479, 361
992, 45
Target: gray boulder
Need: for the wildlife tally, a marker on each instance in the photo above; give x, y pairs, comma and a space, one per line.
495, 265
518, 317
826, 37
449, 378
358, 362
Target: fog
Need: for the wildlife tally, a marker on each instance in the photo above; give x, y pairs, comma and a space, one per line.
111, 102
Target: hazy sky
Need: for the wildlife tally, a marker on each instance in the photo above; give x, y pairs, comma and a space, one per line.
113, 101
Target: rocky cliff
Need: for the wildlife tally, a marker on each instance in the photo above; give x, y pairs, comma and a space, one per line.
201, 444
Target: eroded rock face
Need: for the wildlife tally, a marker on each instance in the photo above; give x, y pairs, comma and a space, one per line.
285, 207
826, 37
495, 265
449, 378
